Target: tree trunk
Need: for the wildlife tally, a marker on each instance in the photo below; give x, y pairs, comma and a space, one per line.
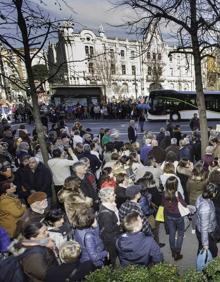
39, 128
200, 98
27, 61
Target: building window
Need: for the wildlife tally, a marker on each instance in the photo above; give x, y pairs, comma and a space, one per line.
171, 71
154, 70
132, 54
91, 50
149, 71
91, 70
154, 56
122, 53
123, 69
148, 55
133, 70
112, 68
87, 50
171, 58
111, 53
159, 56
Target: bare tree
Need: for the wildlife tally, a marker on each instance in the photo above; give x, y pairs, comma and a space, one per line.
104, 69
25, 25
194, 24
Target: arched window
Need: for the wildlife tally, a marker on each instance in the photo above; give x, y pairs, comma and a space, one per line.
124, 88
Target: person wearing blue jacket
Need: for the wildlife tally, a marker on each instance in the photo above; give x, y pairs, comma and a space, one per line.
87, 234
134, 247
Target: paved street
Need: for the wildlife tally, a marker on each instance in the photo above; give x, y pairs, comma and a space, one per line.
122, 126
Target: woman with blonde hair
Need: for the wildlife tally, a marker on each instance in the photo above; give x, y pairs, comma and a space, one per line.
71, 268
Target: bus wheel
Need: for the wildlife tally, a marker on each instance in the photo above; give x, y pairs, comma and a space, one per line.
175, 116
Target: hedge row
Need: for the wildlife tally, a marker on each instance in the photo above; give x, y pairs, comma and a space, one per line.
161, 272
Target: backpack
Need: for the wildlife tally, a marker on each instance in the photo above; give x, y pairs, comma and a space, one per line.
11, 268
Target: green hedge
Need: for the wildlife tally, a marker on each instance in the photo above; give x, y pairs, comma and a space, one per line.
162, 272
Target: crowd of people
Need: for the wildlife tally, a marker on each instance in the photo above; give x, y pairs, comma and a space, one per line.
96, 202
53, 113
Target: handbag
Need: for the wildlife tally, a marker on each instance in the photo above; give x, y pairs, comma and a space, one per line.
203, 258
183, 210
160, 214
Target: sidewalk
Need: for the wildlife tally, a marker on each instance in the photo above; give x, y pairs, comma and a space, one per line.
189, 250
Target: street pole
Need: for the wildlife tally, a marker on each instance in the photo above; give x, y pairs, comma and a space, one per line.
135, 81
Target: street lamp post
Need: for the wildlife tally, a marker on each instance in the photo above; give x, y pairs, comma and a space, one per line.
135, 83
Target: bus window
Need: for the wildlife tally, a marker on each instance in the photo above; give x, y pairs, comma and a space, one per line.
211, 103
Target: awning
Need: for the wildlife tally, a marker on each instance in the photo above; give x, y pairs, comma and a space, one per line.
77, 92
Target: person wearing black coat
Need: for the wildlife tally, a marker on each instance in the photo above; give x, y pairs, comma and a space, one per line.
22, 181
95, 163
132, 134
108, 220
40, 177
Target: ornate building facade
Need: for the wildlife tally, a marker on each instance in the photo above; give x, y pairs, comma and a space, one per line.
122, 68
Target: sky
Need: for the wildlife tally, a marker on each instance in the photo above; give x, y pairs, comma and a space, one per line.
91, 14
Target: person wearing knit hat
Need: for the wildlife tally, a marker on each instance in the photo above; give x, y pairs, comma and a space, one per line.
36, 213
36, 197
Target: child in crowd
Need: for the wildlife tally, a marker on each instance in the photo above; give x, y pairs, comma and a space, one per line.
134, 247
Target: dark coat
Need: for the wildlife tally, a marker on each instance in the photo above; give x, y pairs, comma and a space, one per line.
165, 142
175, 149
109, 230
137, 248
41, 179
28, 217
36, 265
132, 137
89, 191
120, 195
94, 161
62, 272
22, 182
158, 154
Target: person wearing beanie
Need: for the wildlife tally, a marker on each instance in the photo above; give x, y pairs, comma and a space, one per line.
36, 213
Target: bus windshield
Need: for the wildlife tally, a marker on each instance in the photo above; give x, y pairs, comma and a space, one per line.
176, 105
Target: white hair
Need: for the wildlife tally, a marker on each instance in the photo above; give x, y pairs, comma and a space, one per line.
37, 160
105, 193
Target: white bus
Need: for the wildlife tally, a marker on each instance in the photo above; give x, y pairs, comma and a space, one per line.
179, 105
